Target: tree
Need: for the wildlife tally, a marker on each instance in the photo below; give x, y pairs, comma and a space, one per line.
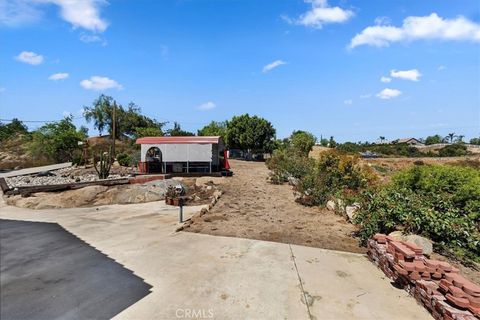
475, 141
450, 137
214, 128
127, 120
382, 139
460, 138
302, 142
56, 140
433, 139
177, 131
250, 134
11, 129
332, 143
148, 132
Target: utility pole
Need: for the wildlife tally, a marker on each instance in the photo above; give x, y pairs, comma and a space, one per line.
113, 128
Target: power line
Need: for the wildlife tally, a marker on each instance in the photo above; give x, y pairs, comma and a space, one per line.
36, 121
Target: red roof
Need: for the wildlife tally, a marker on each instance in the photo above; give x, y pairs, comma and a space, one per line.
179, 140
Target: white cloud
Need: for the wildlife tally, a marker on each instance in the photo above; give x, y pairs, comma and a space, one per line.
67, 114
320, 13
80, 13
90, 38
348, 102
58, 76
385, 79
30, 57
388, 93
365, 96
382, 21
273, 65
441, 68
207, 106
417, 28
100, 83
17, 12
2, 89
412, 75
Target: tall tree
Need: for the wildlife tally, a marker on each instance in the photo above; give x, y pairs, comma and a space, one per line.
433, 139
56, 140
250, 133
178, 131
450, 137
214, 128
127, 120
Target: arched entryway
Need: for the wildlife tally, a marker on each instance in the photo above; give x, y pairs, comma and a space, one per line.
153, 158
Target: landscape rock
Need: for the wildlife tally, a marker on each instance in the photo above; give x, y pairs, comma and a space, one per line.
422, 242
331, 205
351, 210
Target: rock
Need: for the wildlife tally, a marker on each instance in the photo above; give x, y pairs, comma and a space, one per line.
331, 205
77, 179
209, 187
292, 181
422, 242
45, 174
397, 235
351, 210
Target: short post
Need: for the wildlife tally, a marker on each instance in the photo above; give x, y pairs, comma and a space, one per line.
180, 214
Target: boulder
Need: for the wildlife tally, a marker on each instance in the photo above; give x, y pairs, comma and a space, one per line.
351, 210
422, 242
331, 205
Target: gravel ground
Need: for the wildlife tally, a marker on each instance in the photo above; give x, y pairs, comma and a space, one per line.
61, 176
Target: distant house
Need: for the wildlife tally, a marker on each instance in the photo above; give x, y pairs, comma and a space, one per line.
182, 154
409, 141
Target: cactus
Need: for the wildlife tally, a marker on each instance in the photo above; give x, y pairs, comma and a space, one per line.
104, 164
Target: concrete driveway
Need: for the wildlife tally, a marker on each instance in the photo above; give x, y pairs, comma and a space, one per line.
201, 276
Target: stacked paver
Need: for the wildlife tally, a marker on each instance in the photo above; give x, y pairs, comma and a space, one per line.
435, 284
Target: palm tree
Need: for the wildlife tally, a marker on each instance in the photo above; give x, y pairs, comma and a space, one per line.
382, 139
450, 137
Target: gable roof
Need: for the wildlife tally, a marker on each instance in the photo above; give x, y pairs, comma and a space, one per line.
179, 140
404, 140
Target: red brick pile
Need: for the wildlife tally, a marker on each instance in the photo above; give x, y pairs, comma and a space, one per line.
437, 285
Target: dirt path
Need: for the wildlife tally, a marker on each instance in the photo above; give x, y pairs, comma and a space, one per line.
253, 208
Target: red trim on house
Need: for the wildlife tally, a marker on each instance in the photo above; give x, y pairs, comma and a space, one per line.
178, 140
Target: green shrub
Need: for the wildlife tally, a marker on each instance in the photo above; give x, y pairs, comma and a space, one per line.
286, 163
453, 150
124, 159
333, 174
439, 202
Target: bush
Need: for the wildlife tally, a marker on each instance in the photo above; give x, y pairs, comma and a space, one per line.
453, 150
333, 174
124, 159
439, 202
286, 163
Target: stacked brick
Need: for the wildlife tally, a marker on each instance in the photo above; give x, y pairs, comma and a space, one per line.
437, 285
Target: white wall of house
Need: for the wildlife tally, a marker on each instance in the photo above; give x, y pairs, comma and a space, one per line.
184, 152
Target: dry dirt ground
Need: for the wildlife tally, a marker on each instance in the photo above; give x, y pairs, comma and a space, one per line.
253, 208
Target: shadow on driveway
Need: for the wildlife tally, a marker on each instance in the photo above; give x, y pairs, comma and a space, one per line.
48, 273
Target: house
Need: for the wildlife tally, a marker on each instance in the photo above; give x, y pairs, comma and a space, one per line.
410, 141
182, 154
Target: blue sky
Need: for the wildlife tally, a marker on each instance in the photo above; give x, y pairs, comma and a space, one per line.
314, 65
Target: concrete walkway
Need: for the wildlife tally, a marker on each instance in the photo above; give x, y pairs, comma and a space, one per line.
202, 276
33, 170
